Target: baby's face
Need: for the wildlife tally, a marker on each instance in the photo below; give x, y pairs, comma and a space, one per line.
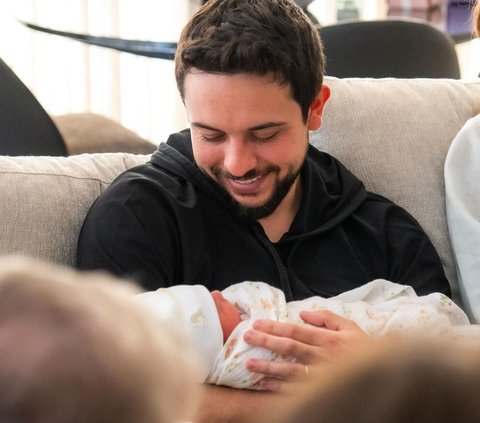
228, 314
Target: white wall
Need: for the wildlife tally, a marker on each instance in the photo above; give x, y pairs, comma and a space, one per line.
68, 76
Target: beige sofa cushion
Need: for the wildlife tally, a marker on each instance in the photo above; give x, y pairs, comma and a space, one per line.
94, 133
394, 135
45, 199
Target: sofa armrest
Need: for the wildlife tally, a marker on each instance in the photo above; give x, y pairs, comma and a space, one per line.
45, 199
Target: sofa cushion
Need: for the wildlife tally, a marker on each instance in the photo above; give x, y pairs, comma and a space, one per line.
394, 135
94, 133
45, 199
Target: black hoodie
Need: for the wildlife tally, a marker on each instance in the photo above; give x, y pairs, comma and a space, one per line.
166, 223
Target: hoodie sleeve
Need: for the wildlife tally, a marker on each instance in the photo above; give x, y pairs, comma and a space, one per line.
406, 251
148, 224
129, 239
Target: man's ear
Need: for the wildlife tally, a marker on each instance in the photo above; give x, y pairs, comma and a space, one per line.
316, 109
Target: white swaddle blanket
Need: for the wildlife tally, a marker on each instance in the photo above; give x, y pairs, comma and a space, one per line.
379, 308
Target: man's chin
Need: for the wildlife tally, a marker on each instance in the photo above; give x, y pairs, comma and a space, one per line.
248, 202
254, 211
248, 207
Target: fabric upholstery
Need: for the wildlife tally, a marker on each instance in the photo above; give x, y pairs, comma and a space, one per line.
94, 133
45, 199
394, 135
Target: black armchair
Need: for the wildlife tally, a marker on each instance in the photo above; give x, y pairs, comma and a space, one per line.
389, 48
26, 128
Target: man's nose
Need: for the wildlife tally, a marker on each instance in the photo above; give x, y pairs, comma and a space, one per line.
239, 157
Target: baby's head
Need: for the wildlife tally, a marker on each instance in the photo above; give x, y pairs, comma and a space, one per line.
80, 340
227, 313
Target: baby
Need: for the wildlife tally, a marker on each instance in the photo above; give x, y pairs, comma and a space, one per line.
206, 318
215, 322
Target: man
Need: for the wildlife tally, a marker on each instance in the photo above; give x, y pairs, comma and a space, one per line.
242, 195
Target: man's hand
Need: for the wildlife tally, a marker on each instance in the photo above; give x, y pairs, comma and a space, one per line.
327, 337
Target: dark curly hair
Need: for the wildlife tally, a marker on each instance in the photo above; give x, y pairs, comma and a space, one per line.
260, 37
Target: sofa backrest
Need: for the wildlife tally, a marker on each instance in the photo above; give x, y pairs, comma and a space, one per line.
392, 133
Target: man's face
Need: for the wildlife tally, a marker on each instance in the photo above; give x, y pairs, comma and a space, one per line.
248, 135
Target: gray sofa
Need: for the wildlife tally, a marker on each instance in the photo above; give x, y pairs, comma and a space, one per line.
392, 133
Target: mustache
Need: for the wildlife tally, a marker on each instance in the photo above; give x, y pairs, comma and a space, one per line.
251, 174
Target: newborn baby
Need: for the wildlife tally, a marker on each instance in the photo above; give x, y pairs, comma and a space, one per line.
215, 322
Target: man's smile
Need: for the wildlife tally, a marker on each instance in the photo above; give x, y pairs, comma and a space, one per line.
245, 186
245, 181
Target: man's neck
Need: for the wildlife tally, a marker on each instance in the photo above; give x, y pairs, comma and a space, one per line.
279, 222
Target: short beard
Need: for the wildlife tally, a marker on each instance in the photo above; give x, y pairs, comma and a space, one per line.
281, 189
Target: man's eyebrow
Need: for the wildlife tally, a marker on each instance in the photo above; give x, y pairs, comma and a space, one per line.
203, 126
265, 125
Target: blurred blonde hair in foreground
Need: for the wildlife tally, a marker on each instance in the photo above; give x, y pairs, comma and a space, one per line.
394, 381
76, 347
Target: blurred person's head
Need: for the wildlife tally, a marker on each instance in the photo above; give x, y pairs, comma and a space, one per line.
394, 381
76, 347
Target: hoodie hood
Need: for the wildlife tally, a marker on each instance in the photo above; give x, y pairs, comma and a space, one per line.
330, 192
176, 158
